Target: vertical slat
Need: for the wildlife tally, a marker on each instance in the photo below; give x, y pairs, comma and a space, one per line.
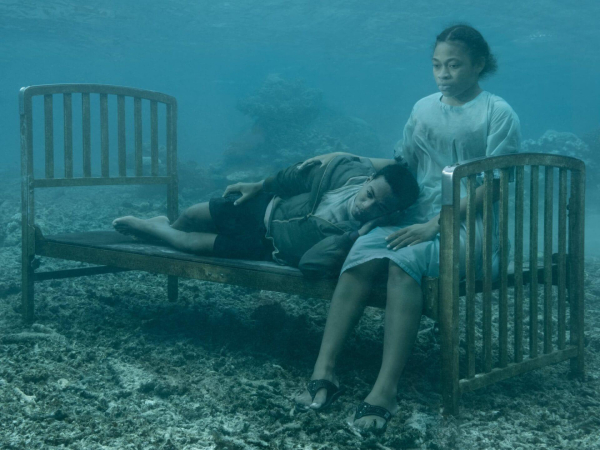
137, 117
121, 135
487, 269
49, 135
548, 194
562, 252
449, 261
172, 189
154, 137
576, 255
518, 313
170, 140
68, 134
533, 255
87, 137
27, 208
104, 135
504, 251
470, 273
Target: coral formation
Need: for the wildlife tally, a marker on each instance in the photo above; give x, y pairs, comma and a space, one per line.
563, 143
279, 101
291, 122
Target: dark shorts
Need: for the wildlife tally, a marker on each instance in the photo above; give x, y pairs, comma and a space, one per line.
241, 229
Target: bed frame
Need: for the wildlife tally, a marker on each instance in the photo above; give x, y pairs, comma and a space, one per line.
559, 279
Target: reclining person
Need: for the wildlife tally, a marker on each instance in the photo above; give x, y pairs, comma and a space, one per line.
305, 218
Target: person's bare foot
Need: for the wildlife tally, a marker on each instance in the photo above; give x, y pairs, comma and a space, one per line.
372, 422
139, 228
306, 400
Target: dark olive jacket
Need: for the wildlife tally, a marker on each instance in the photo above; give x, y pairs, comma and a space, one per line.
292, 225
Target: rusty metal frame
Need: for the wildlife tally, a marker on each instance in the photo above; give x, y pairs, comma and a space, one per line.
29, 183
566, 272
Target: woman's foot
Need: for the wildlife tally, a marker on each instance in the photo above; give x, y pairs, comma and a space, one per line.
306, 399
139, 228
377, 422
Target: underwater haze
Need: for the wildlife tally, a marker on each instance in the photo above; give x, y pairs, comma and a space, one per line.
110, 363
371, 59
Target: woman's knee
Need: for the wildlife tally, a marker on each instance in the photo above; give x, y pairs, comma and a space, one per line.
361, 279
370, 268
403, 291
397, 276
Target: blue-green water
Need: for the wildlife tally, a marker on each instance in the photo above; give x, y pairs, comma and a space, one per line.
371, 59
110, 363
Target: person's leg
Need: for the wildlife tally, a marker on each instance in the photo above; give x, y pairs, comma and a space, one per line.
195, 218
402, 317
158, 228
347, 305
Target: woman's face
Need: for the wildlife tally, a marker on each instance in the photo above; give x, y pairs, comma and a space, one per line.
454, 72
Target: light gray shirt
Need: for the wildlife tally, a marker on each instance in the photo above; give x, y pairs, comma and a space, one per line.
438, 135
336, 205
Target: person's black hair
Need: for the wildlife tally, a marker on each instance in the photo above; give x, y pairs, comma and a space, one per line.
474, 43
401, 181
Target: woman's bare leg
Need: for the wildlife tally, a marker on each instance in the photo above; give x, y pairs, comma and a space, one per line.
402, 317
347, 305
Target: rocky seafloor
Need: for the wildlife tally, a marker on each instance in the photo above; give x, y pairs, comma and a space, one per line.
110, 363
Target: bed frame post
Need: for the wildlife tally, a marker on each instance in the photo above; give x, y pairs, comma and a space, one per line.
576, 256
27, 214
448, 280
172, 187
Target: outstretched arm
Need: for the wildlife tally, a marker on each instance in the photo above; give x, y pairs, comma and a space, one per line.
285, 183
248, 191
292, 181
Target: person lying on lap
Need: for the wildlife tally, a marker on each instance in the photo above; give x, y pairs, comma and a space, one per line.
304, 218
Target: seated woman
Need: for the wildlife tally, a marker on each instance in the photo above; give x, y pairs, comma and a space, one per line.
459, 123
307, 218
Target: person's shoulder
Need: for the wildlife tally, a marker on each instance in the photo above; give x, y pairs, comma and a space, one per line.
352, 162
344, 167
427, 101
499, 107
425, 105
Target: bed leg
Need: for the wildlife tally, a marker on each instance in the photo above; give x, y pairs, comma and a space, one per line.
27, 291
172, 288
449, 353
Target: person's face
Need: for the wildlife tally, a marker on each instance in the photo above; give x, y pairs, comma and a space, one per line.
453, 70
374, 199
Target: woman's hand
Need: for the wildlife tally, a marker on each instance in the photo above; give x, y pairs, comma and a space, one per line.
414, 234
248, 191
319, 160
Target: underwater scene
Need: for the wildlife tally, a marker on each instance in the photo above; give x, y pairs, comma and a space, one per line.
300, 224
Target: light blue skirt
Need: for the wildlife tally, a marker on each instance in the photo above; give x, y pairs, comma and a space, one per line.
416, 260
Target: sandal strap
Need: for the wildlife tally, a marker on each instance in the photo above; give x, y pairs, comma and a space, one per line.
314, 386
366, 409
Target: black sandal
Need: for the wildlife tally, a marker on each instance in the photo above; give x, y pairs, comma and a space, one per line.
366, 409
333, 392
